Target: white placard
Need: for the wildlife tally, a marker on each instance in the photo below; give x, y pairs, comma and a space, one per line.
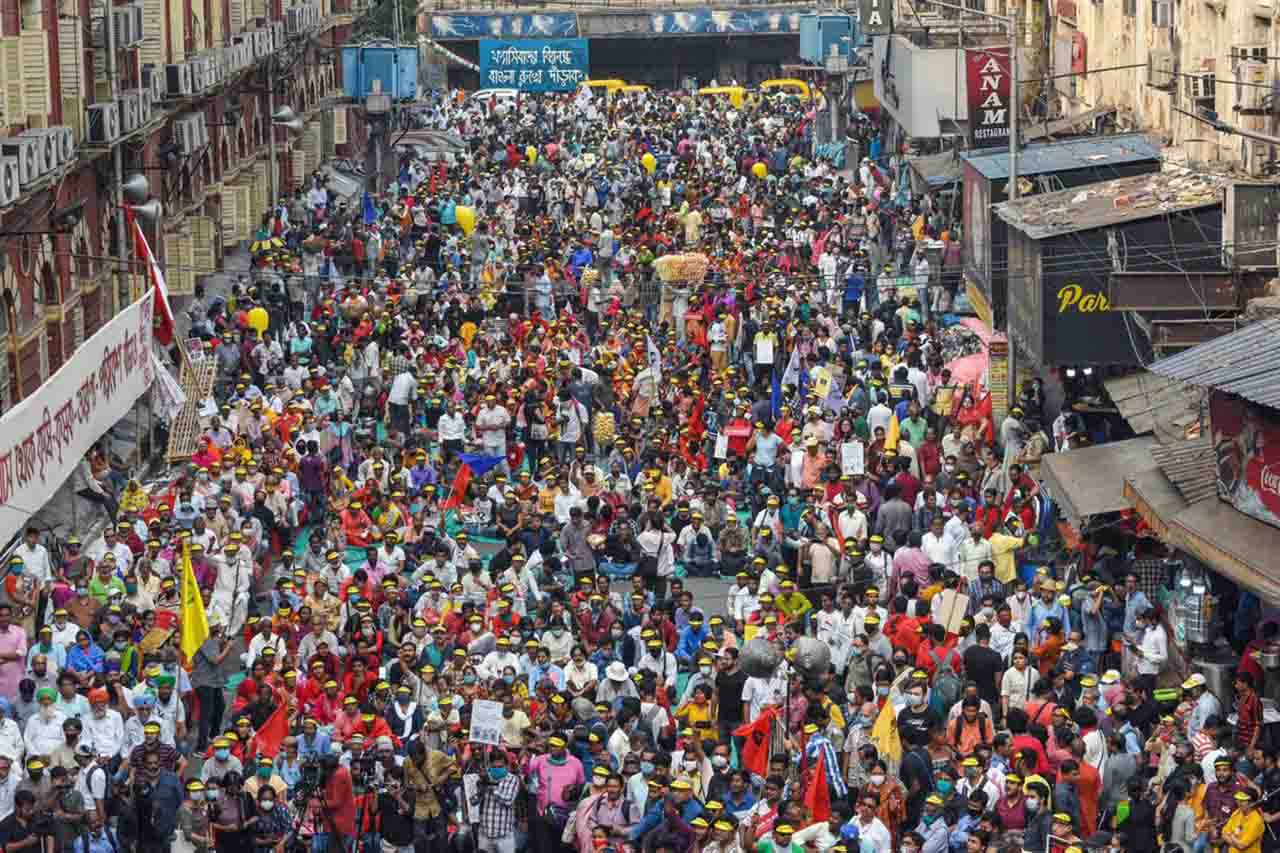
169, 397
764, 349
852, 458
486, 722
44, 437
797, 466
722, 445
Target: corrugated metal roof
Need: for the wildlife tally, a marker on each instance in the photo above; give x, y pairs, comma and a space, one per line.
1090, 481
1167, 408
1191, 466
1111, 202
1086, 152
1245, 362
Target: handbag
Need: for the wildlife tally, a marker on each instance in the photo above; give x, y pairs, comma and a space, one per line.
648, 565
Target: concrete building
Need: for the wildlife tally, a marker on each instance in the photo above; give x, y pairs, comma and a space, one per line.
1217, 55
183, 98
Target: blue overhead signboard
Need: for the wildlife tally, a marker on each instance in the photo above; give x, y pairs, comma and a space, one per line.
711, 22
541, 65
551, 25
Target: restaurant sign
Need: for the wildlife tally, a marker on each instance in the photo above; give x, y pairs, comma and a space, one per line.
989, 92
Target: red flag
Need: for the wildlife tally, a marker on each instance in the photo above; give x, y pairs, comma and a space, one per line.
266, 740
755, 749
817, 794
458, 494
163, 323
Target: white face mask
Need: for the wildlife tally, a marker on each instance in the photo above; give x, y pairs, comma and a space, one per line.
876, 779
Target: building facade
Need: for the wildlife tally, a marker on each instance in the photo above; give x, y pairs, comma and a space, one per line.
179, 90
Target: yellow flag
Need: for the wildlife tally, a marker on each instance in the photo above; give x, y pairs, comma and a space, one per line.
892, 434
884, 734
194, 621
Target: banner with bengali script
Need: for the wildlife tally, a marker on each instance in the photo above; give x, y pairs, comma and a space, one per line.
45, 436
535, 65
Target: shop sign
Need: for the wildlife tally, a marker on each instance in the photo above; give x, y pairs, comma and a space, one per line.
1248, 455
989, 95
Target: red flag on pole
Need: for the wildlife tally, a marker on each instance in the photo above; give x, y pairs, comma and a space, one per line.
458, 494
817, 795
163, 325
755, 747
266, 740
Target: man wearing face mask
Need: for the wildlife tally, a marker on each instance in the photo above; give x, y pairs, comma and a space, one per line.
932, 828
221, 763
552, 772
156, 795
498, 791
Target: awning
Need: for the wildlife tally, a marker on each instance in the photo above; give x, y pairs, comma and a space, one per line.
937, 170
1090, 481
1231, 543
1166, 407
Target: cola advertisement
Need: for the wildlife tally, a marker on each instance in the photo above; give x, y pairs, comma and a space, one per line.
1246, 443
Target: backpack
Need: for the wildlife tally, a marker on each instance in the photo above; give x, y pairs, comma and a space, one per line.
946, 684
959, 728
110, 802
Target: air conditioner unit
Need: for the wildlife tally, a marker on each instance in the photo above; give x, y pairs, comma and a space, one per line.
143, 97
153, 78
277, 34
48, 148
293, 20
10, 183
199, 77
1255, 156
187, 133
104, 122
1160, 69
65, 140
129, 120
1248, 53
98, 31
203, 126
123, 21
1253, 85
1201, 89
26, 150
261, 43
135, 11
177, 79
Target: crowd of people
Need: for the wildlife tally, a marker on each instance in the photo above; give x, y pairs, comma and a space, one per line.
470, 445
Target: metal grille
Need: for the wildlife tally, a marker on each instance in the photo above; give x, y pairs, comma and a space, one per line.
197, 383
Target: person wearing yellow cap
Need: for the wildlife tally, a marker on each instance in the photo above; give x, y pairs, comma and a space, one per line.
933, 827
555, 771
1243, 830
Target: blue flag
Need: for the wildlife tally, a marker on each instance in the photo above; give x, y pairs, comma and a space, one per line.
775, 398
480, 463
370, 214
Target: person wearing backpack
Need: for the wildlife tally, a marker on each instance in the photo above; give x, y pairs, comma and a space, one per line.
971, 728
940, 659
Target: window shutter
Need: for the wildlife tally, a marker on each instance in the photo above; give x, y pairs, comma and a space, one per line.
204, 254
15, 104
237, 8
71, 69
340, 126
36, 90
175, 32
152, 50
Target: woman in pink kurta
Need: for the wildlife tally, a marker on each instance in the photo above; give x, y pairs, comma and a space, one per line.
13, 653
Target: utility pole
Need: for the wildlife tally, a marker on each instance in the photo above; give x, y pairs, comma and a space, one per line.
271, 133
117, 163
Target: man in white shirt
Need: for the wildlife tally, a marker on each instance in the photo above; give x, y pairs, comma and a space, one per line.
936, 544
104, 727
1152, 649
870, 828
404, 390
35, 557
491, 424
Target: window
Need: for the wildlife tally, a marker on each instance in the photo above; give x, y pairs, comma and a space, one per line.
1162, 13
1131, 8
